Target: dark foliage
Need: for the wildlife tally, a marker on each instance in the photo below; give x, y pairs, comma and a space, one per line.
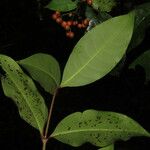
27, 28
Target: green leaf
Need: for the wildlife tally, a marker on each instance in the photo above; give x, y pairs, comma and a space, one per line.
62, 5
44, 69
103, 5
110, 147
144, 61
142, 22
19, 87
99, 128
98, 51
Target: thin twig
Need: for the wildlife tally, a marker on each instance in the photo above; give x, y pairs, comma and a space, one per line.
50, 113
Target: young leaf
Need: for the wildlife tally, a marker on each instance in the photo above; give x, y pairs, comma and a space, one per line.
110, 147
62, 5
19, 87
96, 127
144, 61
98, 51
44, 69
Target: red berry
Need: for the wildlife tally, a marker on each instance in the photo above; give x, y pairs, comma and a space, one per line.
67, 34
89, 2
59, 20
70, 34
54, 16
86, 22
67, 27
63, 24
75, 23
69, 23
83, 25
79, 25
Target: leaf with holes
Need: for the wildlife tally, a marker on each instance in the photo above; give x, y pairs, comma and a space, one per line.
62, 5
96, 127
44, 69
19, 87
98, 51
110, 147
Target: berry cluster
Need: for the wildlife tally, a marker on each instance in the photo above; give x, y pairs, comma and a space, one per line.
73, 19
69, 23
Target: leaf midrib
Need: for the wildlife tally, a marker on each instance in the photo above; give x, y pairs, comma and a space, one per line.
92, 130
91, 58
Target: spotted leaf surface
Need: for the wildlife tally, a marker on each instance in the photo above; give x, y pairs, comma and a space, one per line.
44, 69
19, 87
96, 127
62, 5
98, 51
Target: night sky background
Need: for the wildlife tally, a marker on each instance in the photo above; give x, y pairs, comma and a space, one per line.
23, 33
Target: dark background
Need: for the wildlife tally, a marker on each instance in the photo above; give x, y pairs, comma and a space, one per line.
25, 29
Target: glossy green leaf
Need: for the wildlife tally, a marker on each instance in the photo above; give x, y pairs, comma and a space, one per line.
144, 61
19, 87
142, 22
96, 127
44, 69
98, 51
103, 5
110, 147
62, 5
